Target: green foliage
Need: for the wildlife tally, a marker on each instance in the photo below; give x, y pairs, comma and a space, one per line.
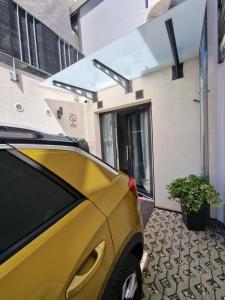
193, 192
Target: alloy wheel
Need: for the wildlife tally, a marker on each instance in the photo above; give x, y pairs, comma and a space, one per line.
129, 287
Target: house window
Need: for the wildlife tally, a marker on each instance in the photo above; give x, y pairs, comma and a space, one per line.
24, 37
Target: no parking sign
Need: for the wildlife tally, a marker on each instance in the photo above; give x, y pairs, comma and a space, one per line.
72, 120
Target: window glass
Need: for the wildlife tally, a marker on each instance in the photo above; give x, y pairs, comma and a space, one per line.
28, 199
108, 138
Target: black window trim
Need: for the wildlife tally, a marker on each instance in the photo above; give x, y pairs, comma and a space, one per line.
79, 198
77, 14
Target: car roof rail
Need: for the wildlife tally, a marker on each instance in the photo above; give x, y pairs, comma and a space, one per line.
11, 134
8, 132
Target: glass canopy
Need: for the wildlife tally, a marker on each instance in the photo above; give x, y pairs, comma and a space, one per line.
142, 51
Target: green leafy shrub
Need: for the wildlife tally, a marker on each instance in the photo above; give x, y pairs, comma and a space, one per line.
193, 192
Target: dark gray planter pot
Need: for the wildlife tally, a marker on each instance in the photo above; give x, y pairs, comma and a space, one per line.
196, 221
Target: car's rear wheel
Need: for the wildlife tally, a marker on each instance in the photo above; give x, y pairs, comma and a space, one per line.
126, 281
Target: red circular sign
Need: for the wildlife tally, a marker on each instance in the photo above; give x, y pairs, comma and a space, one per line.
73, 118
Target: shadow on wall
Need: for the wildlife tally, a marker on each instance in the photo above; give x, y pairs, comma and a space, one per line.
19, 81
69, 115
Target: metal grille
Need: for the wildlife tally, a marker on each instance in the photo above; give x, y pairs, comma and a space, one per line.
8, 29
25, 38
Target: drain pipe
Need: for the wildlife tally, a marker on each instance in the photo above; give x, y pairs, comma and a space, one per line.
203, 72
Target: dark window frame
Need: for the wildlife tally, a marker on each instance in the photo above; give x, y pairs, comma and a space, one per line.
78, 198
75, 28
146, 3
148, 107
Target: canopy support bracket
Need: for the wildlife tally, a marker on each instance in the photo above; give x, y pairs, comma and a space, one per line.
91, 95
124, 82
177, 69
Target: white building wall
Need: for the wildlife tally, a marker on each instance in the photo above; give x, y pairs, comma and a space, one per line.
104, 21
219, 179
216, 77
176, 124
36, 100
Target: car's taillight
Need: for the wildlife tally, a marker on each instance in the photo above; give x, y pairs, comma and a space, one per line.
132, 184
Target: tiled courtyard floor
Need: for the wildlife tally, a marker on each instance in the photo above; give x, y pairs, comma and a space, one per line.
183, 264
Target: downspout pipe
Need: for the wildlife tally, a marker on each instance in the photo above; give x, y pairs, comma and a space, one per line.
203, 74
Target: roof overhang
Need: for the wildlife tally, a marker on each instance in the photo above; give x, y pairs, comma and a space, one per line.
145, 50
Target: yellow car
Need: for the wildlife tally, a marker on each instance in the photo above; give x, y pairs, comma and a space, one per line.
70, 225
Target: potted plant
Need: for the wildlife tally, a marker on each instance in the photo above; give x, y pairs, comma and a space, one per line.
195, 196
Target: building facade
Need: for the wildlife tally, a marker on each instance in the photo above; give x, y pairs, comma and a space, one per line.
112, 19
174, 123
36, 41
153, 133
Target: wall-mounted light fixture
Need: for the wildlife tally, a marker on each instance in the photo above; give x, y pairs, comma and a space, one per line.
48, 113
84, 100
19, 107
60, 113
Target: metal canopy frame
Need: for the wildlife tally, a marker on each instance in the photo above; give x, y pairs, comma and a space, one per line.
124, 82
177, 69
145, 50
91, 95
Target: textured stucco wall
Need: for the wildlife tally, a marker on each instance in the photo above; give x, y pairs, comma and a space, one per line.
104, 21
53, 13
176, 124
75, 4
216, 95
36, 100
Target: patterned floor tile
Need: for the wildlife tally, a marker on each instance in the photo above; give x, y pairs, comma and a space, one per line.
183, 264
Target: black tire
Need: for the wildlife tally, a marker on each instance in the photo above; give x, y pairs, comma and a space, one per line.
120, 274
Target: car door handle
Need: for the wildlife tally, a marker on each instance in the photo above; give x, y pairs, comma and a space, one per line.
79, 281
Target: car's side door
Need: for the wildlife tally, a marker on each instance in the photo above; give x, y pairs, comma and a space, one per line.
54, 243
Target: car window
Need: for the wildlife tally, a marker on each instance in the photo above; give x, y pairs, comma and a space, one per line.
28, 200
